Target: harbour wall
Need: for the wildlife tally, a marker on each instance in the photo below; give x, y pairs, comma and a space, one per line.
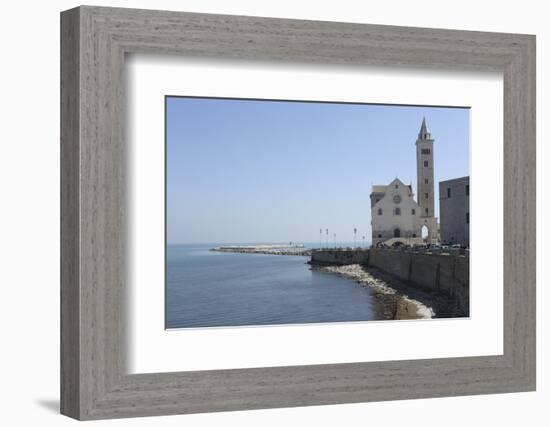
447, 274
339, 256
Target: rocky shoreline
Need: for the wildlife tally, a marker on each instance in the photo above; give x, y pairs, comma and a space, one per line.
396, 300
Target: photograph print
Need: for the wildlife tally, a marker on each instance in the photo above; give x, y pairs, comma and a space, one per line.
298, 212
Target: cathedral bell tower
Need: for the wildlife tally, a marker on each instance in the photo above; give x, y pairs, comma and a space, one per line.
425, 177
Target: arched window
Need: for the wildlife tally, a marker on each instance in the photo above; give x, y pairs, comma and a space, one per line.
397, 232
424, 232
379, 211
397, 211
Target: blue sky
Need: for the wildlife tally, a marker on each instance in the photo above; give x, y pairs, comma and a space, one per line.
246, 171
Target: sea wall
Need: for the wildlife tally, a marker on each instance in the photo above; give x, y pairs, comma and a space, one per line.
339, 256
448, 274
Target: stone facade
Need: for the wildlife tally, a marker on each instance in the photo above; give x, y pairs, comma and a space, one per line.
454, 210
394, 212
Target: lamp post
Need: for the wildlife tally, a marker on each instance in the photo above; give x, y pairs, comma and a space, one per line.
327, 238
354, 237
320, 238
363, 241
334, 240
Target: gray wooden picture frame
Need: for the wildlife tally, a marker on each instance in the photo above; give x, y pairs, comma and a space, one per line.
94, 381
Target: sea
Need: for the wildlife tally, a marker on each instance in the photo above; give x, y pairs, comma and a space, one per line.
217, 289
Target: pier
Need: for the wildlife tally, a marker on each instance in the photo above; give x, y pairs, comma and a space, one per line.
296, 249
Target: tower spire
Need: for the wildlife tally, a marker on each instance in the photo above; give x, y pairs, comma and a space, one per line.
424, 134
425, 178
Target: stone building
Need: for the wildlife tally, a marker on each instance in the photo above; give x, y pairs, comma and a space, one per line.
395, 213
454, 210
396, 216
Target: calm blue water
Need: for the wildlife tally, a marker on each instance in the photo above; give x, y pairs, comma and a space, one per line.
207, 288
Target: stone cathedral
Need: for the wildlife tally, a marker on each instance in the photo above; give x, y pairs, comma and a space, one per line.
396, 216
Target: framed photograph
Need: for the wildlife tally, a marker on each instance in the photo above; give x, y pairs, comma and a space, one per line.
262, 213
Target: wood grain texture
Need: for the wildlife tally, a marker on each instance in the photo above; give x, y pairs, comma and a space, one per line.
94, 382
70, 292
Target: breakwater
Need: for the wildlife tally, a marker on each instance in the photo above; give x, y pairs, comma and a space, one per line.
296, 250
435, 273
